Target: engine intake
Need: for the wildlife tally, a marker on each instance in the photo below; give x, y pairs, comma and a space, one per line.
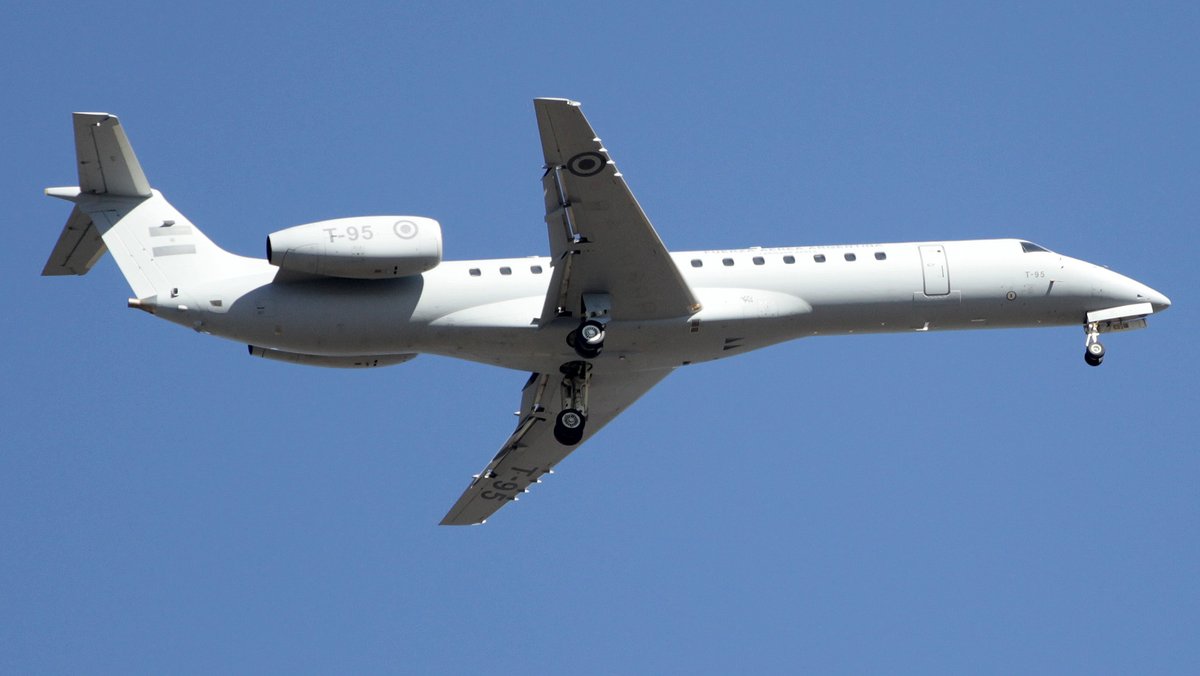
366, 247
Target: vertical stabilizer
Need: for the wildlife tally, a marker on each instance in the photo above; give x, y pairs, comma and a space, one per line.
107, 165
159, 251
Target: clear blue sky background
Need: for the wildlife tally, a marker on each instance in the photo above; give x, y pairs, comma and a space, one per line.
961, 502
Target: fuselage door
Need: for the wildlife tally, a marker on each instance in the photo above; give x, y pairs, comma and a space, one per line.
937, 273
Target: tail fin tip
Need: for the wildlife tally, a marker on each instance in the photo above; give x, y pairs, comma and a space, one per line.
107, 163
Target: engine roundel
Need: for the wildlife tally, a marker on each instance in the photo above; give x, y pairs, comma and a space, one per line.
405, 229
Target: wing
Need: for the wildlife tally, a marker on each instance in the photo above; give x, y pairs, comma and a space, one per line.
600, 240
532, 450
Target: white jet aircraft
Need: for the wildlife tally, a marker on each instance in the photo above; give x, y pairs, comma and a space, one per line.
599, 322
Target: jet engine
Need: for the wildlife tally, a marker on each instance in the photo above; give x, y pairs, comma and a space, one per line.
366, 247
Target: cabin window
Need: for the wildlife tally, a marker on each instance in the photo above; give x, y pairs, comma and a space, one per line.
727, 262
879, 256
696, 263
851, 257
758, 260
820, 258
789, 259
506, 270
475, 272
535, 269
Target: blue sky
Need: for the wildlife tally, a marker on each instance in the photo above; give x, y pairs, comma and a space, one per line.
956, 502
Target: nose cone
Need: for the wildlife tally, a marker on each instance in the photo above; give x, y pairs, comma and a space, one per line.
1118, 289
1157, 300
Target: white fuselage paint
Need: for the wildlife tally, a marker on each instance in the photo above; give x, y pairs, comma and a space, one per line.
492, 317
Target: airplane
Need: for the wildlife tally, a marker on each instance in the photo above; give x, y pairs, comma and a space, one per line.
597, 323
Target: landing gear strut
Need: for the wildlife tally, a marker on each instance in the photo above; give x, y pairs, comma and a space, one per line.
588, 339
1093, 350
568, 426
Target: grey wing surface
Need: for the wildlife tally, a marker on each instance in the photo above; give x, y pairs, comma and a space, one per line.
600, 240
532, 450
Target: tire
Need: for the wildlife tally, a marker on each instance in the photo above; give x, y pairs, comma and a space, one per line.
1092, 360
586, 351
1096, 350
568, 427
592, 333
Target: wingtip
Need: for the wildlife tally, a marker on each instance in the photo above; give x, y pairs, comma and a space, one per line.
451, 522
550, 99
93, 117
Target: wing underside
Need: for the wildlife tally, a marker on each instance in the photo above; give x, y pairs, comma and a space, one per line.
532, 451
600, 239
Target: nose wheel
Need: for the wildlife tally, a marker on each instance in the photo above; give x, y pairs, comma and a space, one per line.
1093, 352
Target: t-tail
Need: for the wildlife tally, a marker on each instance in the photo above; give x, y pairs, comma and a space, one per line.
159, 251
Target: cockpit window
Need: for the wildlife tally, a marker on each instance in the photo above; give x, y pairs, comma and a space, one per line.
1030, 247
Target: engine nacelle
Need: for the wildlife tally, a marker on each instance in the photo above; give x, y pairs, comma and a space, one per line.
366, 247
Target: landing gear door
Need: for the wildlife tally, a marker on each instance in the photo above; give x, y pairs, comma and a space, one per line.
935, 270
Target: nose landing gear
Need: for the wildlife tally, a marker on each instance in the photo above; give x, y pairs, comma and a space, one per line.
1093, 350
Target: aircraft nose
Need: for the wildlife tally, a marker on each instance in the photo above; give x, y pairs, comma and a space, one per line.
1157, 300
1121, 290
1145, 294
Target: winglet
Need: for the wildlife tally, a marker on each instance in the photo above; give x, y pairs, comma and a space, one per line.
107, 165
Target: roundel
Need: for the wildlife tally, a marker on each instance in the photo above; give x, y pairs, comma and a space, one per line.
405, 229
1011, 295
586, 164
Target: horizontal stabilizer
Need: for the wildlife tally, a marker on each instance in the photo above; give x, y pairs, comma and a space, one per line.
78, 248
107, 165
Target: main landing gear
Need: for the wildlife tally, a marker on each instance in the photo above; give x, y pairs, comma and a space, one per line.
1093, 350
568, 426
588, 339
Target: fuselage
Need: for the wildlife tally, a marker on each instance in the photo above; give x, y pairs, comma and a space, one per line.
489, 310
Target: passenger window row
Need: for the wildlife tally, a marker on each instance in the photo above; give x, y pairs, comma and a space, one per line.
788, 260
698, 263
505, 270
